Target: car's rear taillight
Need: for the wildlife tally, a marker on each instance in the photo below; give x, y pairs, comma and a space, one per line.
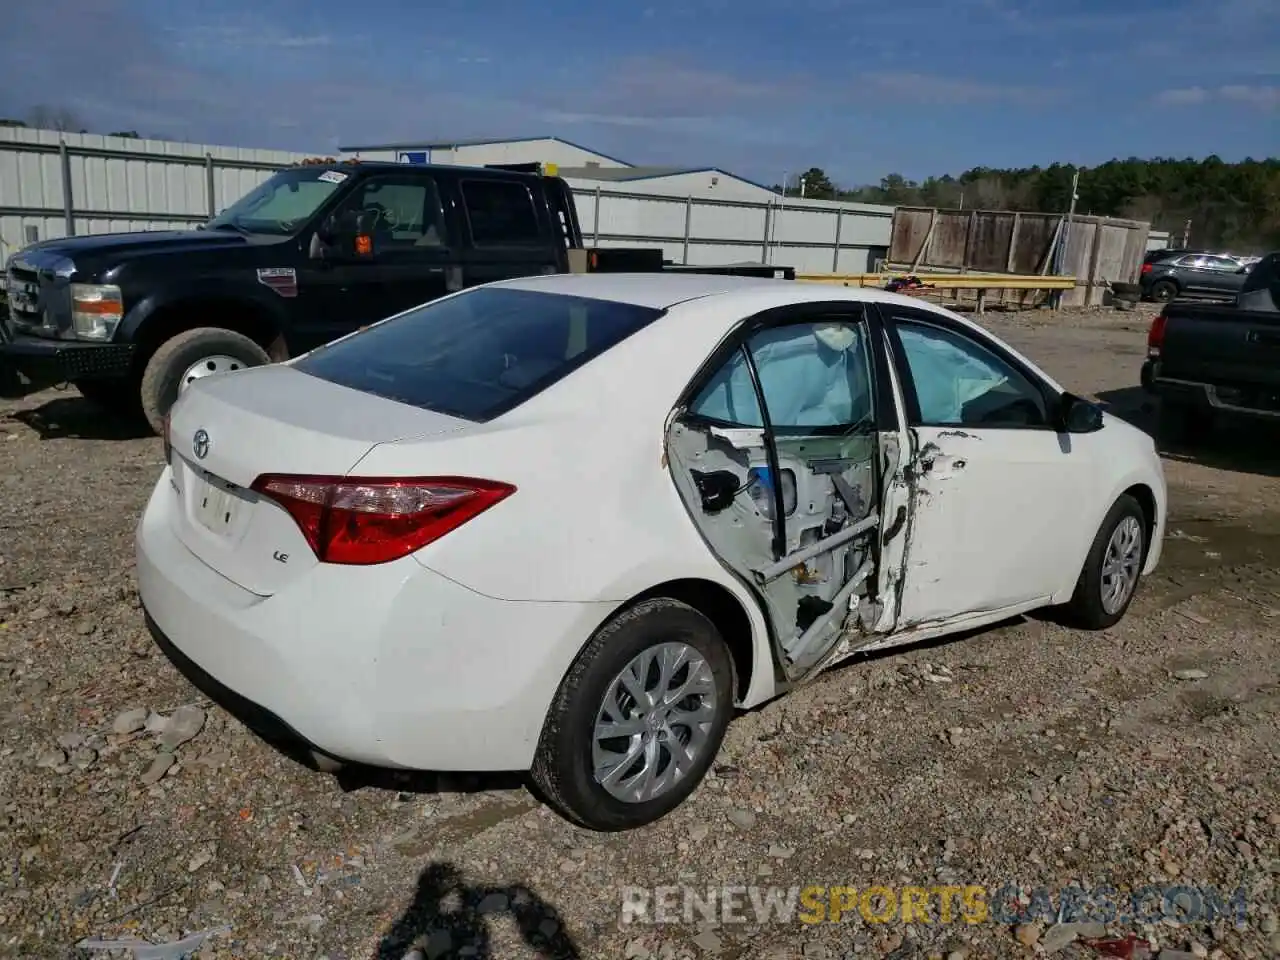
1155, 336
1146, 268
358, 520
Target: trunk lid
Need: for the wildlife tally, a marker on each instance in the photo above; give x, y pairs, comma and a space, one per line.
270, 419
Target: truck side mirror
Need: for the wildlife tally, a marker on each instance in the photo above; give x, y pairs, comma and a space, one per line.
344, 236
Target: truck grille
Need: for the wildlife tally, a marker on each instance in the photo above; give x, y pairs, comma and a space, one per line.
23, 292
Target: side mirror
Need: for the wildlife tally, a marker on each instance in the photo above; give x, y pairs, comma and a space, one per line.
1077, 415
343, 237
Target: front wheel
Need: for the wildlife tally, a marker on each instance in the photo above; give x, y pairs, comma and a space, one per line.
186, 358
638, 719
1111, 571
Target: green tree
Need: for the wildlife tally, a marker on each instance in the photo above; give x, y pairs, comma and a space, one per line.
1231, 206
817, 185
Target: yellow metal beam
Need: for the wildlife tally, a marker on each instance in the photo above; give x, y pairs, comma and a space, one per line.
948, 281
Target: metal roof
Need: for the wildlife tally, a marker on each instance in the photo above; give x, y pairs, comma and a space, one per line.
628, 174
621, 173
472, 142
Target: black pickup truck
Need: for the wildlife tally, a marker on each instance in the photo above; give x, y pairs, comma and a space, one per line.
1208, 359
313, 253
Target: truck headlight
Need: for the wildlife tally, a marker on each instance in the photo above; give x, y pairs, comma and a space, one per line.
96, 310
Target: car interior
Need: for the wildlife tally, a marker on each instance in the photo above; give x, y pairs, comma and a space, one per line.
816, 381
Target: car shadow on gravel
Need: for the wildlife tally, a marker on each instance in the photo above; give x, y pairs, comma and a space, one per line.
448, 917
356, 777
1236, 444
73, 417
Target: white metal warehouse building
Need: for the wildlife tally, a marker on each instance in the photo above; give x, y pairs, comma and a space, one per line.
56, 184
573, 162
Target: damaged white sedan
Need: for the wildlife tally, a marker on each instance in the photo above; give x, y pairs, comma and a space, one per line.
569, 524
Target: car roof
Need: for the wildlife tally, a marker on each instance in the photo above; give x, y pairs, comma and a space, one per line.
655, 290
704, 308
661, 291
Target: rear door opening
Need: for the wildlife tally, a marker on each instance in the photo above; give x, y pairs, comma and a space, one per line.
776, 457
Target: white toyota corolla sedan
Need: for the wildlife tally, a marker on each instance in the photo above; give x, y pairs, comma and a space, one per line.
569, 524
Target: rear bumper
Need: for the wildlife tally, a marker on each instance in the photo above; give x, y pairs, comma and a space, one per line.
1207, 396
391, 666
30, 364
255, 716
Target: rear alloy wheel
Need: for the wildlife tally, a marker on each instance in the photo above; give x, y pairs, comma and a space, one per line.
639, 718
1164, 290
1112, 570
189, 357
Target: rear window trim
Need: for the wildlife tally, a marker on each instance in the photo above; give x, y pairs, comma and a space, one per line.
518, 398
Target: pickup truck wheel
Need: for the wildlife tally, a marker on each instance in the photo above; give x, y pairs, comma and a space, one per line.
119, 397
1164, 290
1185, 422
182, 360
1112, 570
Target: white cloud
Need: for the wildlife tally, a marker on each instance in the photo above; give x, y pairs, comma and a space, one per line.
1258, 97
1183, 96
927, 88
1266, 98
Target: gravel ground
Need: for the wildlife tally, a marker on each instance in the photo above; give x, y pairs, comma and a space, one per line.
130, 807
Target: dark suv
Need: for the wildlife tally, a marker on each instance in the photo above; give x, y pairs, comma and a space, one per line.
1167, 274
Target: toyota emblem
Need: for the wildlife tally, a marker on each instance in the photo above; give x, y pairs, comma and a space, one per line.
200, 444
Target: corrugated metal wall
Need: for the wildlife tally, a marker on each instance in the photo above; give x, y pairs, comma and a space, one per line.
117, 184
106, 184
813, 236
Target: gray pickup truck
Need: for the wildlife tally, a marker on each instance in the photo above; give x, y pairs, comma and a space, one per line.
1206, 359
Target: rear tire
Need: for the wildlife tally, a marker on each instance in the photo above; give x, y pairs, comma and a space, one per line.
570, 750
1162, 291
174, 361
1095, 605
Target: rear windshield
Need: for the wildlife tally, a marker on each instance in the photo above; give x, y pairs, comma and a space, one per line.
479, 354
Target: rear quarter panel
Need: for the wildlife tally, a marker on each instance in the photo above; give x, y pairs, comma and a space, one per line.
596, 516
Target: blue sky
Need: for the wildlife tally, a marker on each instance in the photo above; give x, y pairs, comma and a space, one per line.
861, 88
